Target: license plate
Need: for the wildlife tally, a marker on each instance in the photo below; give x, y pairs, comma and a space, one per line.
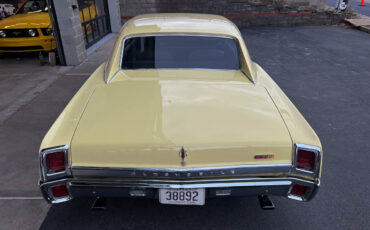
191, 196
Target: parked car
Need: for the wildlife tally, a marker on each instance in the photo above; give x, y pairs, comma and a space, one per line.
6, 10
28, 30
180, 113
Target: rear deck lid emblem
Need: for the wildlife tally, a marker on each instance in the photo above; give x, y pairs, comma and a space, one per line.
183, 154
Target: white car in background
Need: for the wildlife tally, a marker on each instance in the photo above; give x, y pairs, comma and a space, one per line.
6, 10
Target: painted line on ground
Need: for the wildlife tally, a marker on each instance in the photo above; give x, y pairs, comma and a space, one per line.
22, 198
77, 74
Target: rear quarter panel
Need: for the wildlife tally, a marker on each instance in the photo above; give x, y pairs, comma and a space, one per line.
299, 129
61, 132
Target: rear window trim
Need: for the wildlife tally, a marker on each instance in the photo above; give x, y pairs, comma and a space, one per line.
180, 34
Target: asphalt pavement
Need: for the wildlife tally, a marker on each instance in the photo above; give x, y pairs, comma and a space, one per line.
325, 71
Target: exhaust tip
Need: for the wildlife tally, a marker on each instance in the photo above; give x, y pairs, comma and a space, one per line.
265, 202
99, 204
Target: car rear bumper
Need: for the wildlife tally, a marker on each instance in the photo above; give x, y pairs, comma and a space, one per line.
42, 43
149, 188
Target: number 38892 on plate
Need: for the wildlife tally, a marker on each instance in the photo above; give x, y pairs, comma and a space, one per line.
194, 196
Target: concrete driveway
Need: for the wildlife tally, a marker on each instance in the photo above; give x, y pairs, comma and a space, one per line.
326, 73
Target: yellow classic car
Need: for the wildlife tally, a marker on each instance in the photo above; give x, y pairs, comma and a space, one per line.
28, 30
180, 113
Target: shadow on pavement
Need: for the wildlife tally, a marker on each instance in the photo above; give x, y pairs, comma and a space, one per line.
27, 55
125, 213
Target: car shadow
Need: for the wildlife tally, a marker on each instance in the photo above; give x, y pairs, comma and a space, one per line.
20, 55
22, 58
124, 213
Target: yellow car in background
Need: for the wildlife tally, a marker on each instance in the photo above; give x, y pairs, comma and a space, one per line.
28, 30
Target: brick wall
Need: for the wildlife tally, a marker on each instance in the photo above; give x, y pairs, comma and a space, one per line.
242, 12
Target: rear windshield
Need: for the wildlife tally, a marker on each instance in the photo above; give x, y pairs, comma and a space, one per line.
185, 52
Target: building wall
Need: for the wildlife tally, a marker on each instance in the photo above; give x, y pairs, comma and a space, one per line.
217, 6
242, 12
70, 31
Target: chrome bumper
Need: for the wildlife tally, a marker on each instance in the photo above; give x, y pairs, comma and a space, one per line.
103, 187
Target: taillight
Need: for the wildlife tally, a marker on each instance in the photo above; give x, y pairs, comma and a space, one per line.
59, 191
298, 190
55, 162
306, 160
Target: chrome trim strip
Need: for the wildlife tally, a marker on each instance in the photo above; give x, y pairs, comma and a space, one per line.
214, 183
48, 176
176, 34
293, 197
249, 78
154, 182
181, 173
317, 152
210, 185
105, 71
255, 73
190, 169
115, 73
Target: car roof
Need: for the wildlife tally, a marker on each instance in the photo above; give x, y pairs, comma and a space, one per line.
180, 23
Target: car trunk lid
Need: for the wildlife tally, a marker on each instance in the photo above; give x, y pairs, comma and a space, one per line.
144, 123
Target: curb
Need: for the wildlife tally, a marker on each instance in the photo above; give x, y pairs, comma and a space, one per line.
360, 22
365, 29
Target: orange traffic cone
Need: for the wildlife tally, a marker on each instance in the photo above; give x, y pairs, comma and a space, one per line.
362, 3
